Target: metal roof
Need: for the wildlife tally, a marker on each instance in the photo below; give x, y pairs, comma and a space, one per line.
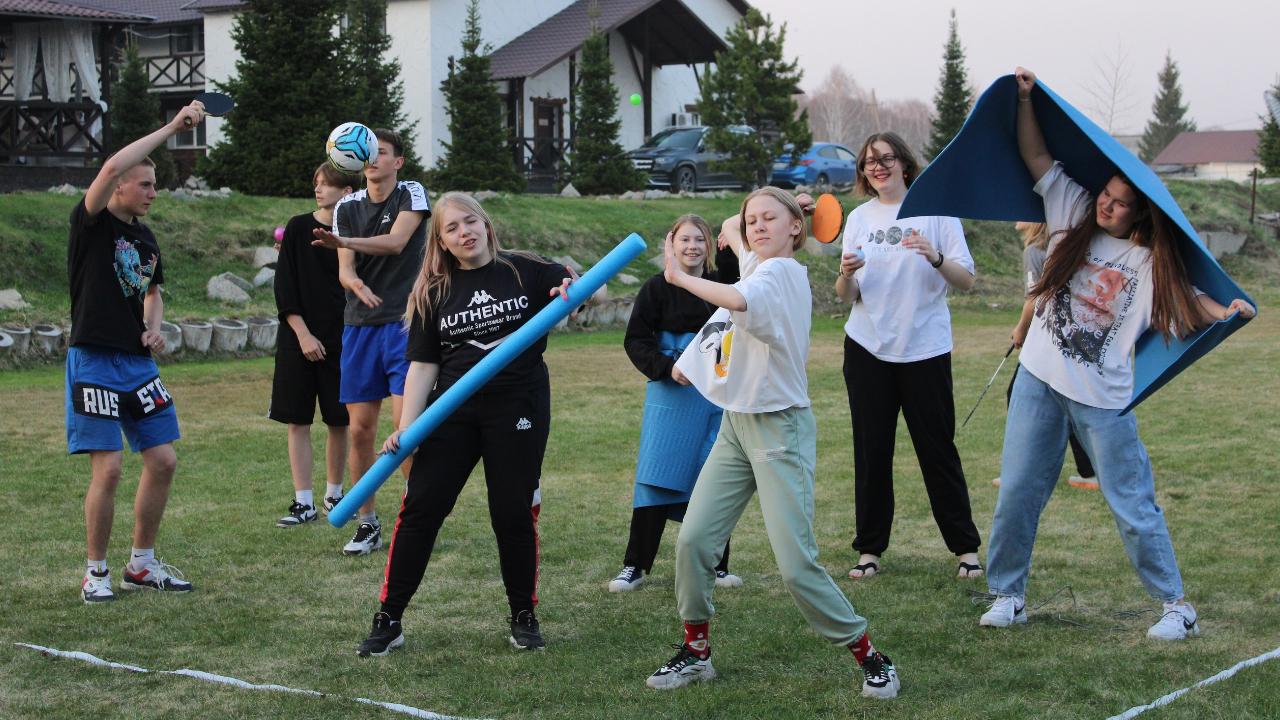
677, 35
164, 11
69, 11
1211, 146
204, 6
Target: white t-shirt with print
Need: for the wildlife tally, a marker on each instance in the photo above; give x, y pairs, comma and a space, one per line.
902, 314
1081, 340
753, 361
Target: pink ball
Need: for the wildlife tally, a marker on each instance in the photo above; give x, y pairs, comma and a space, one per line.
279, 234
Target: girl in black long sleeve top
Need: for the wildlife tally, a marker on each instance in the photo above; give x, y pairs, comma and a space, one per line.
663, 321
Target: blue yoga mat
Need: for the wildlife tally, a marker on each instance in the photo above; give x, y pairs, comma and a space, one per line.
981, 175
677, 433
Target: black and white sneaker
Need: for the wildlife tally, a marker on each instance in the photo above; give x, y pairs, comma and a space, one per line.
726, 579
629, 579
330, 503
881, 677
299, 514
685, 668
524, 632
385, 635
96, 588
1005, 611
156, 575
367, 539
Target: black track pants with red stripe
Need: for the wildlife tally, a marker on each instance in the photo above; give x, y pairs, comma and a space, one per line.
506, 429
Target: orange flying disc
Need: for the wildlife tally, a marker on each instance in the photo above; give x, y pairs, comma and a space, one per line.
827, 219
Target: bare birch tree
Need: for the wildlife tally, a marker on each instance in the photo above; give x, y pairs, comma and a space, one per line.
841, 111
1111, 94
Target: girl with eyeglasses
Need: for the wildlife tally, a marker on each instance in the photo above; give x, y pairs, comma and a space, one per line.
897, 353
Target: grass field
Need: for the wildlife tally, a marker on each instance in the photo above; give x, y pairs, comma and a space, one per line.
283, 606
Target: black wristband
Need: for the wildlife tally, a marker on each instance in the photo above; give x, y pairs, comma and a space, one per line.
938, 264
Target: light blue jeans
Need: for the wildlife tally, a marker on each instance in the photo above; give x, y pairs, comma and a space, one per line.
1035, 439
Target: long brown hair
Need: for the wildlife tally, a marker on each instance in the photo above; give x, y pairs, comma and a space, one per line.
782, 196
907, 161
1037, 234
708, 262
1175, 310
434, 281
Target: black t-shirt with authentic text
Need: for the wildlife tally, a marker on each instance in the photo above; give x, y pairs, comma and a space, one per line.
110, 265
483, 307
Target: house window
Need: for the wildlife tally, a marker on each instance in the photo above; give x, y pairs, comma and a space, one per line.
186, 39
193, 138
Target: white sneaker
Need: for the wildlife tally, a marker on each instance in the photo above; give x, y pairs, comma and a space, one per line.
1177, 623
1005, 611
683, 669
96, 589
367, 539
331, 503
629, 579
725, 579
881, 678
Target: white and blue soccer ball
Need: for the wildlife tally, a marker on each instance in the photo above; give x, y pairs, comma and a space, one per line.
352, 147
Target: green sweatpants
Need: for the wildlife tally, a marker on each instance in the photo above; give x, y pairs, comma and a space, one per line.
776, 454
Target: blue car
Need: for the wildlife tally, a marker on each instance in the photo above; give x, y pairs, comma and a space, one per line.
824, 164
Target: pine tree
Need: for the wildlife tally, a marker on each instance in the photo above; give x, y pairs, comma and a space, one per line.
752, 85
597, 164
135, 112
1269, 140
955, 95
1168, 112
378, 96
477, 158
287, 79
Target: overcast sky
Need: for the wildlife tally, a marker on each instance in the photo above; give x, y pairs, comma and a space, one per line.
1228, 50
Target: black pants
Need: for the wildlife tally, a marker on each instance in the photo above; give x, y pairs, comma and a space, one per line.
647, 524
922, 391
1083, 465
508, 430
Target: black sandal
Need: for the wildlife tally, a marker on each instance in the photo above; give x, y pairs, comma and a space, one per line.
864, 567
969, 569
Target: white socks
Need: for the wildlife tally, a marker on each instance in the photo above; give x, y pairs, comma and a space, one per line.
304, 497
371, 518
139, 559
333, 491
98, 566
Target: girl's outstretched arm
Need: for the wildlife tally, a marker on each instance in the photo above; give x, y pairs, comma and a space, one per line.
725, 296
1035, 153
1211, 311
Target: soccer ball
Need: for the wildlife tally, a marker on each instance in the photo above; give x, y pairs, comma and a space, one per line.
352, 147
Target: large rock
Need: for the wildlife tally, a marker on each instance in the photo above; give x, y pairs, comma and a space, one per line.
196, 183
486, 195
626, 279
66, 189
570, 191
706, 195
568, 260
11, 299
655, 194
631, 195
1223, 242
831, 249
221, 287
265, 257
265, 277
660, 260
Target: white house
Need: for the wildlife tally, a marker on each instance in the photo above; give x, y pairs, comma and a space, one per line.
656, 47
1211, 155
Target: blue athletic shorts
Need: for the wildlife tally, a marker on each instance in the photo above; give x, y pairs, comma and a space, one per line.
109, 391
373, 364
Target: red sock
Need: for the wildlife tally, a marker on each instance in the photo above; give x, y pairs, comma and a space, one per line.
862, 648
696, 637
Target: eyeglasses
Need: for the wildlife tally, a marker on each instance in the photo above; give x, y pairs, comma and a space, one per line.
885, 161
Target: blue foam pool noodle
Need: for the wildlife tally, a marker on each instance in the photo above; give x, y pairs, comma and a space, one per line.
466, 386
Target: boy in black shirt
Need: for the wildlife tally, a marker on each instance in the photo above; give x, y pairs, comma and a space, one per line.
310, 301
380, 237
114, 272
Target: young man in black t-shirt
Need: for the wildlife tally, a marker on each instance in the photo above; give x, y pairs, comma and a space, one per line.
114, 272
380, 237
310, 301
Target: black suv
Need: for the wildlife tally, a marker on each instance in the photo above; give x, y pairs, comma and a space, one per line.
678, 158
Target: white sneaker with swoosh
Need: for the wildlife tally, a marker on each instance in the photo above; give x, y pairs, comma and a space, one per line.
1178, 622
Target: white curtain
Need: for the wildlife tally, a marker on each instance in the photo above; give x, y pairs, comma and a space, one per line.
56, 48
80, 43
26, 41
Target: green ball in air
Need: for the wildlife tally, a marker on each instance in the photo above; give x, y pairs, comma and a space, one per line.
636, 99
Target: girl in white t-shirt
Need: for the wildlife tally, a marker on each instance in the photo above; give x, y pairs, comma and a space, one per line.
749, 359
897, 353
1113, 272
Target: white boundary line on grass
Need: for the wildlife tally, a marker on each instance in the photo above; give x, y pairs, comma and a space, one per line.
199, 675
1135, 711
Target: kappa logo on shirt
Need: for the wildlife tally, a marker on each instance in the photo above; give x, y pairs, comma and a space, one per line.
481, 297
524, 424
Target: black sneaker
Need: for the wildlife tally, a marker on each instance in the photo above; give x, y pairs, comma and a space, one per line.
881, 677
384, 636
330, 503
629, 579
299, 514
367, 539
524, 632
684, 669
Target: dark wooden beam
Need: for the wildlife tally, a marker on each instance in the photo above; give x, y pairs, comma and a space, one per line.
647, 82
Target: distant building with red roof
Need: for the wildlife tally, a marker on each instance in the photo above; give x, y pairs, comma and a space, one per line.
1211, 155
